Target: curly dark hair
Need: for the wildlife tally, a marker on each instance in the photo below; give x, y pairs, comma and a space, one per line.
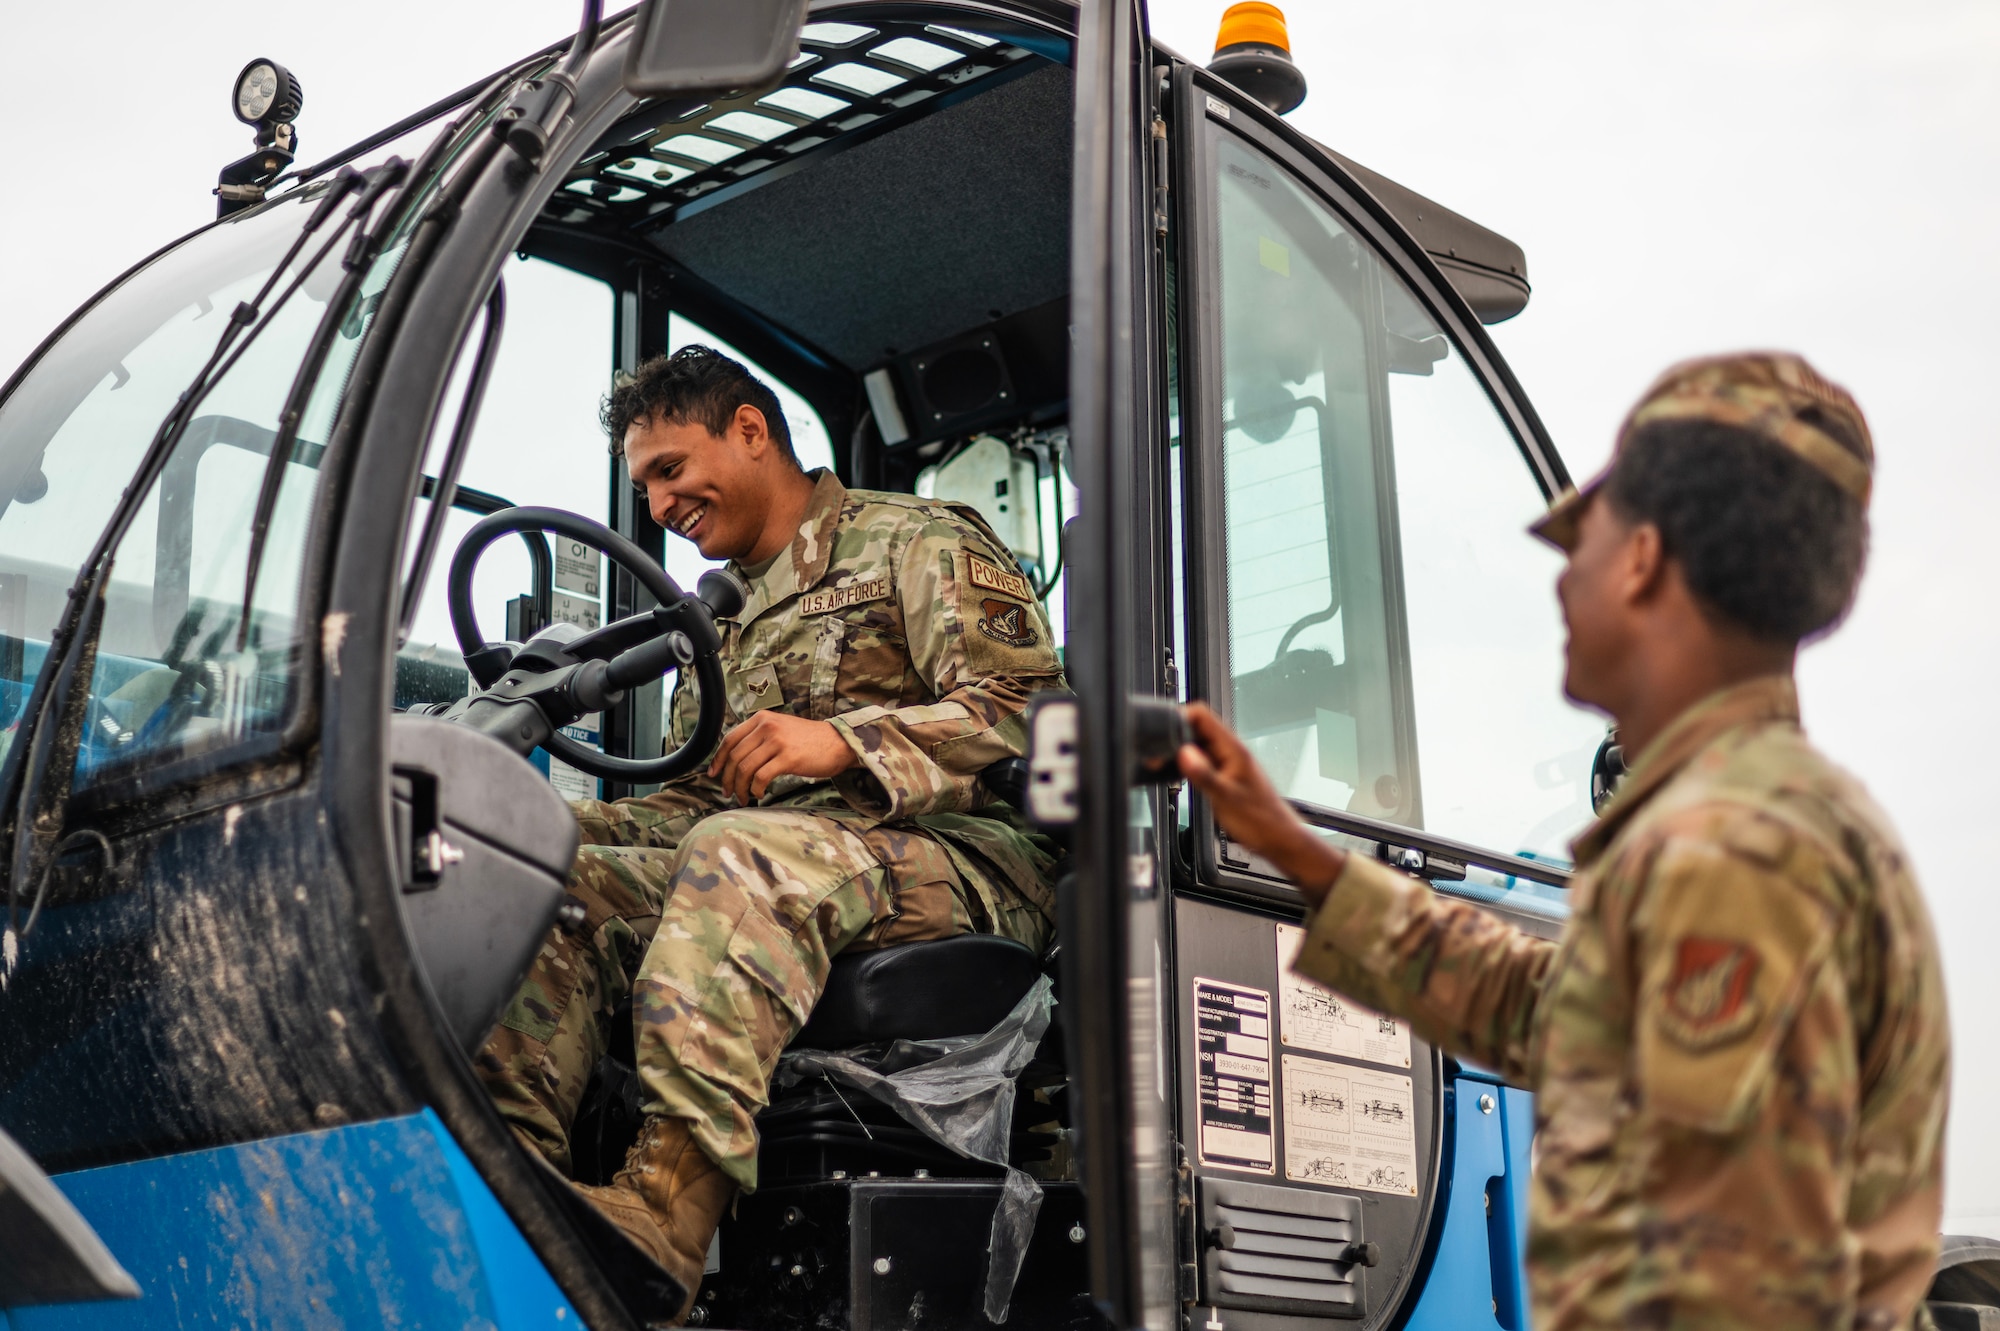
696, 385
1767, 542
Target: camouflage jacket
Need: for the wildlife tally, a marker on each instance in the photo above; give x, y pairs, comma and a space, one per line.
1739, 1046
906, 624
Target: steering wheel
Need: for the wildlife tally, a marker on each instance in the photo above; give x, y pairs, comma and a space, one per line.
679, 613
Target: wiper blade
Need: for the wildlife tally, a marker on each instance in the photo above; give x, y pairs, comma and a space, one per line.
360, 257
38, 821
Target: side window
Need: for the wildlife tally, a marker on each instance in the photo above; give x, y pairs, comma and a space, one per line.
1318, 679
1505, 756
536, 441
1393, 641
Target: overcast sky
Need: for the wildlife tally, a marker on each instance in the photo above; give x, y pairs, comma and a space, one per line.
1711, 174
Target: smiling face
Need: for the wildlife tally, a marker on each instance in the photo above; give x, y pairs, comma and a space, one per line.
712, 489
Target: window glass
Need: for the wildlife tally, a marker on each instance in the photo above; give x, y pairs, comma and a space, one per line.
1318, 680
179, 668
73, 430
1505, 756
1394, 643
537, 441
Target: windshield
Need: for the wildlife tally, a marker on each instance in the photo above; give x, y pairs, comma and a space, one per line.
172, 667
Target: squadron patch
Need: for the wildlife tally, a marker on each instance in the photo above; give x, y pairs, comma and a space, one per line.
1004, 621
1710, 997
982, 574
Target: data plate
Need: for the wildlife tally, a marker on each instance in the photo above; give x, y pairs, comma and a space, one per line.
1233, 1063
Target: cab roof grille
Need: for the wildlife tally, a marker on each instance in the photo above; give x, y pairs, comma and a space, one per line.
849, 79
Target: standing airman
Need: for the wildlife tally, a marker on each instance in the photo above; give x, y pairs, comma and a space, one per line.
1739, 1046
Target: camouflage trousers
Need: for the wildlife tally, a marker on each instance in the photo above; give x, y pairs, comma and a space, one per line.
720, 929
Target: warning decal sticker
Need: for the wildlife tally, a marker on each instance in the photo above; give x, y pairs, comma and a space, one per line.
1349, 1127
1316, 1018
1232, 1037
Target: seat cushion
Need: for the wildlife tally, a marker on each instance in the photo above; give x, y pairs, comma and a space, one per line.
920, 991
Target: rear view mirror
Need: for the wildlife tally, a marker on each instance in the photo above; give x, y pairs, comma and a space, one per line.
712, 45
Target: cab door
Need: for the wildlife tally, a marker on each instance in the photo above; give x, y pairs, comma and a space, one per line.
1113, 927
1359, 599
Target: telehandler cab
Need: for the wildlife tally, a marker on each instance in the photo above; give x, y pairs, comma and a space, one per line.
284, 773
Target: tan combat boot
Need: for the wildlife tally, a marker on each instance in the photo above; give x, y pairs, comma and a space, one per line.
668, 1199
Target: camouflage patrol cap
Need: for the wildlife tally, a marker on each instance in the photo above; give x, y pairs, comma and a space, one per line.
1772, 394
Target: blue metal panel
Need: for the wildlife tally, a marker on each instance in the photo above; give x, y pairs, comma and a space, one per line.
1476, 1281
524, 1295
376, 1224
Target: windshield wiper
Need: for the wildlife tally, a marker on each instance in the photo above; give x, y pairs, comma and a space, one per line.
356, 263
40, 766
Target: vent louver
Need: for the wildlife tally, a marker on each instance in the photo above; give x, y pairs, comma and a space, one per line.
1283, 1250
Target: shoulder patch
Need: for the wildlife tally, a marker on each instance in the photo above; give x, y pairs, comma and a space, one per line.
1710, 997
1001, 627
860, 592
1006, 621
994, 579
1727, 952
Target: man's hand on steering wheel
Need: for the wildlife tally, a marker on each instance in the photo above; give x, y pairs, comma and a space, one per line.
774, 744
528, 692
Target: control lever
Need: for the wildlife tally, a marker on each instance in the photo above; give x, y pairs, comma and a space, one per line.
722, 592
687, 631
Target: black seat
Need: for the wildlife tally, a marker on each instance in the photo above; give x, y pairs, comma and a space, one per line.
967, 985
920, 991
913, 991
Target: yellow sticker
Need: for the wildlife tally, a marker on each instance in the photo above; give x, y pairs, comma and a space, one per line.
839, 598
982, 574
1274, 256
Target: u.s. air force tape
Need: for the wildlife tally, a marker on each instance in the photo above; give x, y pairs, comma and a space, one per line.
839, 598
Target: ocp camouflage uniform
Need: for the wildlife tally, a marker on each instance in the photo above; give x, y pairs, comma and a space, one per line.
905, 624
1739, 1047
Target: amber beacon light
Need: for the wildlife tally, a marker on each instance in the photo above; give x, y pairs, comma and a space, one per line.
1254, 52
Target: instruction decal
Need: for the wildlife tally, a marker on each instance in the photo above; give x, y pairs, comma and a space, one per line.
578, 595
1311, 1016
578, 568
1349, 1127
573, 783
1232, 1040
582, 611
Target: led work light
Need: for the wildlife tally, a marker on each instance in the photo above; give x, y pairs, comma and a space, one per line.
267, 94
267, 98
